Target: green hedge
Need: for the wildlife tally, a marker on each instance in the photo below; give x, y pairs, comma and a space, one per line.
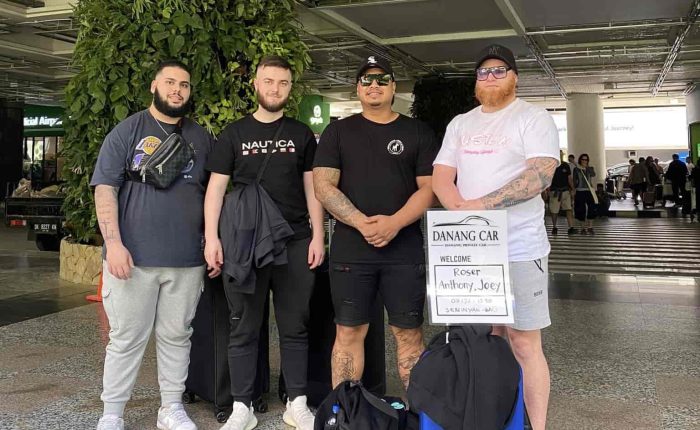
121, 42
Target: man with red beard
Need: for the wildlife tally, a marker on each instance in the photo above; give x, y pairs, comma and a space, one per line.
239, 154
503, 155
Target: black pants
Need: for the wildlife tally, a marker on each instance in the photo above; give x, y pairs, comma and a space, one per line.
584, 206
291, 285
678, 190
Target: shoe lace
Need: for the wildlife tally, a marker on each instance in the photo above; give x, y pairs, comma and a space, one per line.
109, 422
302, 413
179, 416
239, 416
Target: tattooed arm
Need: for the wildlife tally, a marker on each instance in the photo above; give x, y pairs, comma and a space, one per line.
325, 183
118, 258
535, 179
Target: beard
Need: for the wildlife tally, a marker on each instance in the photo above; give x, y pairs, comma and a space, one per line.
495, 96
161, 104
271, 107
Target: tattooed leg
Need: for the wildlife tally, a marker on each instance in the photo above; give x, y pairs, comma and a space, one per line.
348, 357
409, 347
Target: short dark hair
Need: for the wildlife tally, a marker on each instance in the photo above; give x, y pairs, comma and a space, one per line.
274, 61
172, 63
675, 156
642, 159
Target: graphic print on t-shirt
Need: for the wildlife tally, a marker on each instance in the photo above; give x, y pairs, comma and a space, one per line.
263, 146
144, 149
395, 147
484, 143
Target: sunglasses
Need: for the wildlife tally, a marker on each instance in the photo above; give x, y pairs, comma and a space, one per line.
498, 72
383, 79
584, 159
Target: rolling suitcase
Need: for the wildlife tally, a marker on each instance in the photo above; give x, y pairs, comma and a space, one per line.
208, 375
322, 337
649, 198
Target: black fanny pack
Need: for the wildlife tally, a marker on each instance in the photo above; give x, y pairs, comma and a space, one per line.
166, 163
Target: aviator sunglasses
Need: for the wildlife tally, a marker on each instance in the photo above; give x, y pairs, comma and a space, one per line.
498, 72
383, 79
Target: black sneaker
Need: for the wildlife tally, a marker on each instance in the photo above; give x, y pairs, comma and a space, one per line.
571, 231
591, 232
583, 231
554, 231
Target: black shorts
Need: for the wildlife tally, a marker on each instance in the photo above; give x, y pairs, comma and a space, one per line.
354, 289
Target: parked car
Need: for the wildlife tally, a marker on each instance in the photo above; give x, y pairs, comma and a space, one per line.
620, 169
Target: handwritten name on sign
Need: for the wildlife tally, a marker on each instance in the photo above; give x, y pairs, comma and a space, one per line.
468, 279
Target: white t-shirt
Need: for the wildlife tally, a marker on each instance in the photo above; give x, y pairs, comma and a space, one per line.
489, 150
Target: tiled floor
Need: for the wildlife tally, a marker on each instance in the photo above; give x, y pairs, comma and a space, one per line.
624, 352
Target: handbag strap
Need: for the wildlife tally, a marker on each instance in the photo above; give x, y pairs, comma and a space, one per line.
590, 188
262, 168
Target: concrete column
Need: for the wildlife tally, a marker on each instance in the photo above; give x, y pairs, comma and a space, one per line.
692, 106
586, 131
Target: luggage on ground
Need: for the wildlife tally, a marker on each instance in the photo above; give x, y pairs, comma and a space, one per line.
467, 379
208, 375
649, 198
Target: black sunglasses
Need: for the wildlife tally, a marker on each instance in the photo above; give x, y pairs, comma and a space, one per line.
498, 72
383, 79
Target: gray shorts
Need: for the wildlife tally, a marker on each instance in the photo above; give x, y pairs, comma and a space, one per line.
529, 282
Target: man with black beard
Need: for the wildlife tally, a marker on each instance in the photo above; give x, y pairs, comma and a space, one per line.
238, 155
153, 261
503, 155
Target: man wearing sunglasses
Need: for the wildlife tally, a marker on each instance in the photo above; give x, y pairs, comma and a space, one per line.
503, 155
372, 171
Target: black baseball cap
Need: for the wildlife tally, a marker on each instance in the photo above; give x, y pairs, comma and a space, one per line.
371, 62
497, 51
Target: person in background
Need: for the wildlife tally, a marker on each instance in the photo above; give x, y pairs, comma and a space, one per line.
638, 179
560, 197
584, 203
689, 164
677, 173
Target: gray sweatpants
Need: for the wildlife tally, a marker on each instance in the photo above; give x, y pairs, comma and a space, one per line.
162, 297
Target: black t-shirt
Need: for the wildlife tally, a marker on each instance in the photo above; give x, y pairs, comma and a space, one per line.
560, 180
379, 164
241, 149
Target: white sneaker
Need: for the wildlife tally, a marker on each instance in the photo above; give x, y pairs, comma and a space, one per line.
242, 418
110, 422
298, 414
174, 417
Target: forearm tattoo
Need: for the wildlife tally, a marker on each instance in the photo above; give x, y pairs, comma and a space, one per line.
326, 186
107, 209
535, 179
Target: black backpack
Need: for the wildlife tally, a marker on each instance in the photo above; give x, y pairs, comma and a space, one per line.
351, 407
469, 382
